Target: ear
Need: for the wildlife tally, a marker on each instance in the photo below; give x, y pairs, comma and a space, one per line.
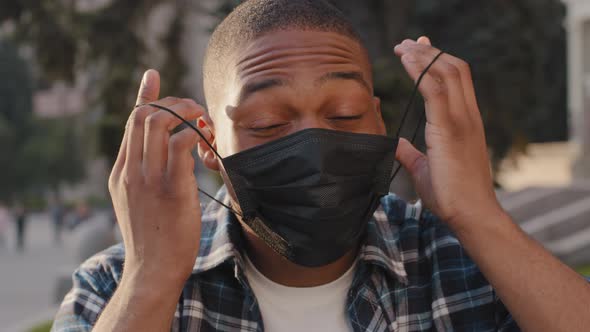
377, 104
208, 157
379, 115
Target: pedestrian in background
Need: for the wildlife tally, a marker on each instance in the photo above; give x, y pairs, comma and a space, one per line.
4, 219
20, 219
57, 216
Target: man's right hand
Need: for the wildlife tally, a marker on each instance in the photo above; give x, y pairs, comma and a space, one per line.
154, 190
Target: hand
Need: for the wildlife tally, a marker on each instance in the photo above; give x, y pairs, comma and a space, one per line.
453, 179
154, 190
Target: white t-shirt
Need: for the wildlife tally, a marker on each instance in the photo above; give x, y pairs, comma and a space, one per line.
308, 309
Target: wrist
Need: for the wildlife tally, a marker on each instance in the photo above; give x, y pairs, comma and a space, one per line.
483, 221
153, 280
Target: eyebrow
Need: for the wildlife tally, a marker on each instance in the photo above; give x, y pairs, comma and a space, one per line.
356, 76
253, 87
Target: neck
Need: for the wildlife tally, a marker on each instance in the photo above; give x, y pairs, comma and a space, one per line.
282, 271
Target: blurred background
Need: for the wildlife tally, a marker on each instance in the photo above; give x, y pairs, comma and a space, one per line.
70, 69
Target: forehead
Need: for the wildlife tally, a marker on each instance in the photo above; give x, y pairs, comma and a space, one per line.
288, 52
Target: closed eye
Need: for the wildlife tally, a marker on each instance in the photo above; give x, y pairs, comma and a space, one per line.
268, 127
352, 117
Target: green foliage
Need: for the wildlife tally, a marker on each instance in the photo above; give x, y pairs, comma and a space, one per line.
36, 153
107, 42
517, 54
584, 270
516, 51
43, 327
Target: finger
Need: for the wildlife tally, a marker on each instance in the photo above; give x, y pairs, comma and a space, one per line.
122, 155
448, 74
424, 40
135, 133
461, 67
149, 89
430, 87
412, 160
206, 131
467, 83
120, 161
181, 163
157, 134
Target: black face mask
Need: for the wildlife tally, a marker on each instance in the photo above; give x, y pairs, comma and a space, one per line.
309, 195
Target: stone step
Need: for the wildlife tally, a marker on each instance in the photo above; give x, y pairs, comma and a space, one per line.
559, 218
543, 202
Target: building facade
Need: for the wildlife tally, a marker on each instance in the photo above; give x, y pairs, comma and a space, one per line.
578, 28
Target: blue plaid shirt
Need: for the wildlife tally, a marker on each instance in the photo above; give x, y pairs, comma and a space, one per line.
413, 275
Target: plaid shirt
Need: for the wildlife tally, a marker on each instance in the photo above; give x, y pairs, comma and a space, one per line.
413, 275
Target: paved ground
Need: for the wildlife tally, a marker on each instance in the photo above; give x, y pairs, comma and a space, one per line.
27, 280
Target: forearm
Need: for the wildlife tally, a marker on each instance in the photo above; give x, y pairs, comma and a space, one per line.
140, 304
541, 293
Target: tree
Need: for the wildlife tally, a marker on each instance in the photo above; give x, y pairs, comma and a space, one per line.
36, 153
516, 50
109, 42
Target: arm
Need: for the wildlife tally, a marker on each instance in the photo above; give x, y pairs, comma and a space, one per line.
140, 303
541, 293
155, 197
454, 181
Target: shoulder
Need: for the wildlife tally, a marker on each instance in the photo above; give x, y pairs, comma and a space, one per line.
428, 246
436, 263
103, 270
413, 220
93, 284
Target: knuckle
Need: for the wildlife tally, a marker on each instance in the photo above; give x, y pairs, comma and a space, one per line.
176, 143
112, 183
464, 66
190, 102
153, 119
139, 115
127, 183
408, 58
451, 71
417, 164
129, 180
170, 99
439, 91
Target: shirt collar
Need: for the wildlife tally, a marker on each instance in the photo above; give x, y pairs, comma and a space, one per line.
221, 238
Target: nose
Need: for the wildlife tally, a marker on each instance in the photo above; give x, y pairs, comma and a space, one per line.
311, 121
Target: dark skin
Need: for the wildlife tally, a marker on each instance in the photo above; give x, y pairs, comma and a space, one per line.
287, 81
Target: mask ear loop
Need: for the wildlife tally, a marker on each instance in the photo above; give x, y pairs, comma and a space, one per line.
409, 106
205, 140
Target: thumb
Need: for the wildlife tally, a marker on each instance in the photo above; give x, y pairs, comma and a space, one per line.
424, 40
410, 158
149, 89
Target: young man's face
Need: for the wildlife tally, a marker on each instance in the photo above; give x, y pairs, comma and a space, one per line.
286, 81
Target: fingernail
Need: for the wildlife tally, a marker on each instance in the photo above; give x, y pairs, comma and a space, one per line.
201, 123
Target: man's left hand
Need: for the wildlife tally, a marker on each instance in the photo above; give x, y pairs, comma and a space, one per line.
453, 178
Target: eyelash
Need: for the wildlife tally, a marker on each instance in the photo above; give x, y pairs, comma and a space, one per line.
336, 118
269, 127
352, 117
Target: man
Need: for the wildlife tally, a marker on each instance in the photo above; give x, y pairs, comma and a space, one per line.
301, 241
